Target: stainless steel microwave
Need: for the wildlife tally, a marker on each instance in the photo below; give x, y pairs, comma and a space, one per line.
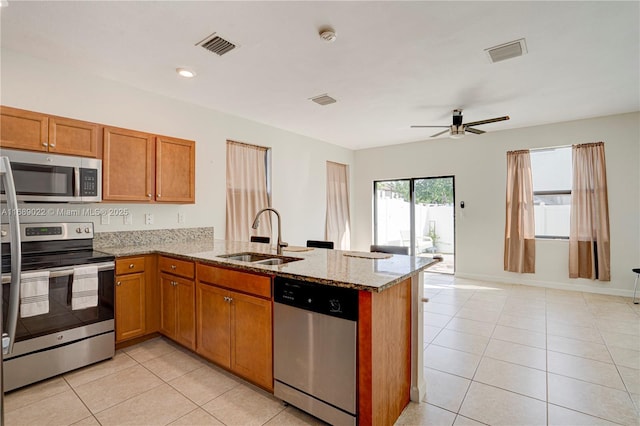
51, 178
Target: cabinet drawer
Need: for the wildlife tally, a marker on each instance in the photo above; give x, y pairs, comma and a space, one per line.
129, 265
235, 280
183, 268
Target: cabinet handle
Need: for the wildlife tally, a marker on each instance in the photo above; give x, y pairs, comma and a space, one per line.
158, 195
149, 195
131, 266
45, 144
52, 145
173, 267
118, 283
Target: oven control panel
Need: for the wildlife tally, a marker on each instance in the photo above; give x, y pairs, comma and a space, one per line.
50, 231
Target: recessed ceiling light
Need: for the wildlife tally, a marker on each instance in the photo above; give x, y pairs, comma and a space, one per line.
185, 72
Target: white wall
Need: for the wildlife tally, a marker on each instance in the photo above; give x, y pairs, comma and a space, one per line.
299, 163
479, 166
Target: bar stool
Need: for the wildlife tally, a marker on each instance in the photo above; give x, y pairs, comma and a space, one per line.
637, 271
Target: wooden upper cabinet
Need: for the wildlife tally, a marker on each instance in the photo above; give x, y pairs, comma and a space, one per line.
73, 137
33, 131
23, 129
140, 166
128, 167
175, 170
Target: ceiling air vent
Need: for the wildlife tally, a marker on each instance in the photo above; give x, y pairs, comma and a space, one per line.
323, 99
509, 50
217, 44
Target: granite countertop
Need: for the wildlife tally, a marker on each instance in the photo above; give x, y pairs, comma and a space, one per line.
329, 267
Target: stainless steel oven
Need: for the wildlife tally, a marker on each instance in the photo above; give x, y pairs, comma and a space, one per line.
51, 178
66, 336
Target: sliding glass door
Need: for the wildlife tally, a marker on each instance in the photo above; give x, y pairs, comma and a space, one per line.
393, 213
417, 213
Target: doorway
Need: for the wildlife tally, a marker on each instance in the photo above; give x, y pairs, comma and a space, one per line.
417, 213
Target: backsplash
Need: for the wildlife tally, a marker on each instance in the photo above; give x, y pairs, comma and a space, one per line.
152, 236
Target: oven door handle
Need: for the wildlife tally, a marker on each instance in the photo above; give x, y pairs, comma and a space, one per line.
65, 272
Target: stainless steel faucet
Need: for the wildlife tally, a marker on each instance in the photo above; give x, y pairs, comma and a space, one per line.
256, 222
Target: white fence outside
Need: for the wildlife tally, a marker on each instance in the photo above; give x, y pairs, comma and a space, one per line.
431, 220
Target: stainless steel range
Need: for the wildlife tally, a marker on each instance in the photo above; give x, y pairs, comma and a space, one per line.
63, 325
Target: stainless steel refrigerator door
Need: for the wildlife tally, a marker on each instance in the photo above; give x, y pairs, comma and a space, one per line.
16, 269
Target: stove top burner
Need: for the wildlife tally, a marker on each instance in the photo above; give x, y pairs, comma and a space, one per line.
54, 245
32, 262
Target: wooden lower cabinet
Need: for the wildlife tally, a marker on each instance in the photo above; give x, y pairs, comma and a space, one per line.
136, 298
251, 342
130, 306
177, 309
234, 329
214, 324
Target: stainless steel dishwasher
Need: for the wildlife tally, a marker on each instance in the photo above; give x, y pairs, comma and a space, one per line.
315, 344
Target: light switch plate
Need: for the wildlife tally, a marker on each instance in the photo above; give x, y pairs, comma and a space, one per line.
128, 219
104, 219
180, 217
148, 219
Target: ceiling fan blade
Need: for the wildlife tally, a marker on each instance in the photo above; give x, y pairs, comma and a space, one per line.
415, 127
440, 133
490, 120
476, 131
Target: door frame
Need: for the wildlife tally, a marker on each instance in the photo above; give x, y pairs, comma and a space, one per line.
412, 209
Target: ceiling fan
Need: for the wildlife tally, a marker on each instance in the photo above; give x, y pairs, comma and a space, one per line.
457, 128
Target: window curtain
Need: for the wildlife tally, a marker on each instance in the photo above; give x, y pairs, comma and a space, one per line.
589, 242
246, 191
337, 225
519, 233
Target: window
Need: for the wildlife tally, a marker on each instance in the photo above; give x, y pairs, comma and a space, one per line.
248, 190
551, 171
337, 220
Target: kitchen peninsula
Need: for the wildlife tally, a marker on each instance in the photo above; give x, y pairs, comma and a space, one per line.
389, 330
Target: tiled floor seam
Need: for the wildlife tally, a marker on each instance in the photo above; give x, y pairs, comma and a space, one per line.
81, 400
581, 412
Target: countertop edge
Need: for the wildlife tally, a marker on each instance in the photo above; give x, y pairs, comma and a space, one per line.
243, 266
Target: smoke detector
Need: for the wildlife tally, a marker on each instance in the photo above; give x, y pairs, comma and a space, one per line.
328, 35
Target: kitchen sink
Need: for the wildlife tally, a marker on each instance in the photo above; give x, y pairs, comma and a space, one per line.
260, 258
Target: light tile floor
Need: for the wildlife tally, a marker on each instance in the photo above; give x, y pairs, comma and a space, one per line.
494, 354
503, 354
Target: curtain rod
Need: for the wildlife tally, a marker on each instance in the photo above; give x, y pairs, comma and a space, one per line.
551, 148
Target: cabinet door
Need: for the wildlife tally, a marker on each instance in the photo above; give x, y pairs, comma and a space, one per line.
175, 170
23, 129
185, 312
213, 334
251, 342
128, 167
130, 306
73, 137
167, 306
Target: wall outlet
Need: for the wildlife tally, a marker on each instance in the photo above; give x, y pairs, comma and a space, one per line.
148, 219
180, 217
104, 219
128, 219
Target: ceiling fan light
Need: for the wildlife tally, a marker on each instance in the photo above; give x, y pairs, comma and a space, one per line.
456, 132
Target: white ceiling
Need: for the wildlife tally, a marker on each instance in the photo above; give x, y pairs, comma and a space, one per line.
393, 64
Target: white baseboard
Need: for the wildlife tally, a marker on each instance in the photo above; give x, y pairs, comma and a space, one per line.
550, 284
